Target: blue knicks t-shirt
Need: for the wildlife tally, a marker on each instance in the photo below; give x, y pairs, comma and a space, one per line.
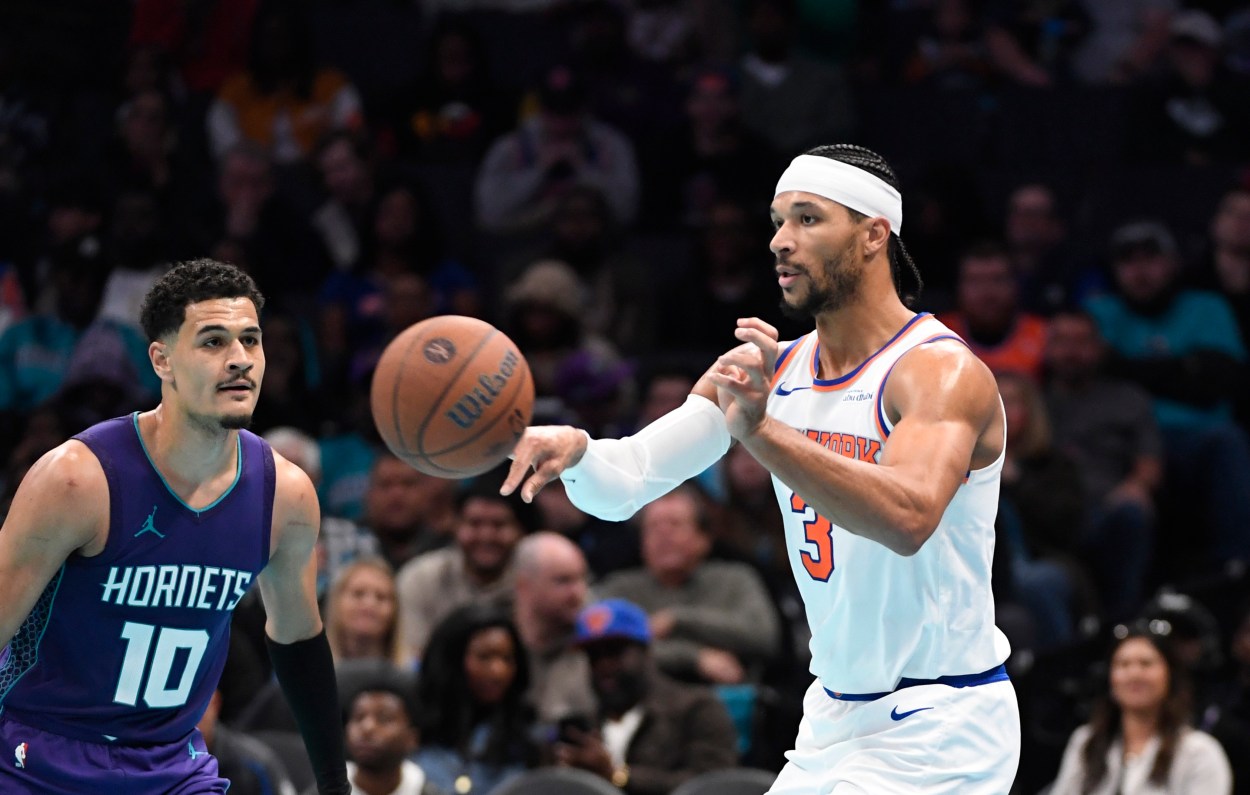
128, 645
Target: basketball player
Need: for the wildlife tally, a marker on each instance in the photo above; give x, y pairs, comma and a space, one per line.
128, 547
885, 438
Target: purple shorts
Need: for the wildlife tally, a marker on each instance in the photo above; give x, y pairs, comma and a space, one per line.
35, 762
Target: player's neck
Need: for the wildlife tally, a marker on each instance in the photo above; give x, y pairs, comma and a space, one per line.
184, 451
852, 333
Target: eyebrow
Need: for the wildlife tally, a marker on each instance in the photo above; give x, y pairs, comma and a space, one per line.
219, 327
799, 205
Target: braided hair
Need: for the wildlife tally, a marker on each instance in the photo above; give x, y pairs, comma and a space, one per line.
902, 266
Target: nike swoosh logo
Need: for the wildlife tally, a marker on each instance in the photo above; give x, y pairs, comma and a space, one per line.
781, 389
896, 715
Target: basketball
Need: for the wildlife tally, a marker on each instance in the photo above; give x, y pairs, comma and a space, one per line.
451, 396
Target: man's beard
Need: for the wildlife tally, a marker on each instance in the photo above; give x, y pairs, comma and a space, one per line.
842, 280
236, 422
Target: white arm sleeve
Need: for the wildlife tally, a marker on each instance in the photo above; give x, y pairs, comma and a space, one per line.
616, 477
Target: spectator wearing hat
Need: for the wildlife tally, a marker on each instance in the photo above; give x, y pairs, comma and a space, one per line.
651, 733
1195, 111
543, 313
526, 171
1183, 347
712, 621
477, 569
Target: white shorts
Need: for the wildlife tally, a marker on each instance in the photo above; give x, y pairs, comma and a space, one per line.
928, 739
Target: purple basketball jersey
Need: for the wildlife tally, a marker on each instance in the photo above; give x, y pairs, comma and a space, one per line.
128, 645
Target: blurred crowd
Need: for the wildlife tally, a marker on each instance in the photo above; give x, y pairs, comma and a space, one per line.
593, 177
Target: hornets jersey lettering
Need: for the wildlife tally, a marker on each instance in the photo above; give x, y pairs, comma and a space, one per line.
877, 616
128, 645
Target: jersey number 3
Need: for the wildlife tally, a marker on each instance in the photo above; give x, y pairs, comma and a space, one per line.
818, 531
158, 660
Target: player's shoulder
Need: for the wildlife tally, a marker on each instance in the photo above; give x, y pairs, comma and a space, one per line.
293, 490
66, 489
942, 368
70, 468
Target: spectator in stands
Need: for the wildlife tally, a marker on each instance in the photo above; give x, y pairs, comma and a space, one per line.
261, 229
790, 101
651, 733
345, 164
1052, 273
474, 721
989, 316
713, 158
712, 621
525, 172
950, 54
551, 590
478, 568
381, 733
249, 765
206, 42
606, 546
1225, 267
35, 352
727, 276
291, 395
1042, 511
1184, 348
1107, 426
411, 513
453, 111
362, 613
1194, 112
283, 102
544, 314
1138, 739
619, 291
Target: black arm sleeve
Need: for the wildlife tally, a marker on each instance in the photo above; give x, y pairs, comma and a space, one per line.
305, 671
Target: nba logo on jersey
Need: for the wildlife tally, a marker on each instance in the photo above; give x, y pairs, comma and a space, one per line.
19, 755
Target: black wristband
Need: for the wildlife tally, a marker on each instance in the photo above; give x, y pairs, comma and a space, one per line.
305, 670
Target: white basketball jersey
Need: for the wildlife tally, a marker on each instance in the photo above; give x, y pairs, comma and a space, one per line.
877, 616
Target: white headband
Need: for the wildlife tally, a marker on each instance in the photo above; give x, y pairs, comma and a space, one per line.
846, 185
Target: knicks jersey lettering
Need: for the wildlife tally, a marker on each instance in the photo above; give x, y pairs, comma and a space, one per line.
848, 444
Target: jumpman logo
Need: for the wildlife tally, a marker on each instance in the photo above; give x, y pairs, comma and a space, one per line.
194, 753
19, 754
149, 526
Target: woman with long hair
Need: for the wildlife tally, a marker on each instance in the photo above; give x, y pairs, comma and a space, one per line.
1138, 740
362, 613
475, 723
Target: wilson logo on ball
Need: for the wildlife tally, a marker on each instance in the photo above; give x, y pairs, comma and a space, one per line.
470, 406
439, 351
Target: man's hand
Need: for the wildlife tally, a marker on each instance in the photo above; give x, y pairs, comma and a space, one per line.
743, 376
662, 623
549, 450
720, 667
586, 751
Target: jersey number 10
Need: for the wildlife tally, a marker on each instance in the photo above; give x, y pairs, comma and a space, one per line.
158, 661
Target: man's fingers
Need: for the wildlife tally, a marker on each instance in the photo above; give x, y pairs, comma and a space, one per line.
520, 465
544, 473
768, 329
766, 345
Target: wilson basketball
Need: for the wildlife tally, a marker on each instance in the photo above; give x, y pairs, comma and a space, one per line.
451, 396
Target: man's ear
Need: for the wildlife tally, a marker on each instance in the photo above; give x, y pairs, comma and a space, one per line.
158, 354
877, 236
